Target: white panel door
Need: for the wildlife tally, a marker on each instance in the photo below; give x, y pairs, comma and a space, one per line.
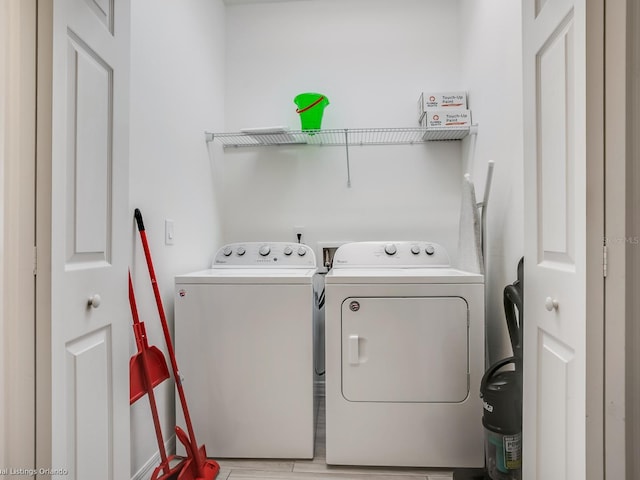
558, 98
91, 228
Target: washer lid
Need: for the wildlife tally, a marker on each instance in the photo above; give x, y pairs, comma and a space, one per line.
249, 276
401, 275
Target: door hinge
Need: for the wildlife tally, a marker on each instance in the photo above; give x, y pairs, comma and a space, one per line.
604, 261
35, 260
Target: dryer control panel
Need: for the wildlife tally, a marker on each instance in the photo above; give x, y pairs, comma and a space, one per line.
396, 254
265, 254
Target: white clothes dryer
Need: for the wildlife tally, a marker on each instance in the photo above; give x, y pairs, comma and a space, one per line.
404, 357
244, 342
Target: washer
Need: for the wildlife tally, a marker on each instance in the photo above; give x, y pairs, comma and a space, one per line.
244, 343
404, 357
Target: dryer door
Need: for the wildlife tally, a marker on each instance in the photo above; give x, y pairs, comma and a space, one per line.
405, 349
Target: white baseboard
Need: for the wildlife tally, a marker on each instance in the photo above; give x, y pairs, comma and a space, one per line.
145, 472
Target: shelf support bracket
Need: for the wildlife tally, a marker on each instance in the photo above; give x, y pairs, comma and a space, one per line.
346, 146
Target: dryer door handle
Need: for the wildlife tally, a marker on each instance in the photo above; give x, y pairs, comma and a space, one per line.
354, 349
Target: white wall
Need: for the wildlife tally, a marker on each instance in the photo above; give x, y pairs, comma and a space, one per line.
371, 58
177, 92
492, 68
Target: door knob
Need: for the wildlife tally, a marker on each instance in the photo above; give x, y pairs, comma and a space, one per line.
551, 304
94, 301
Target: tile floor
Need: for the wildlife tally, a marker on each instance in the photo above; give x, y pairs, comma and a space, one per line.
317, 469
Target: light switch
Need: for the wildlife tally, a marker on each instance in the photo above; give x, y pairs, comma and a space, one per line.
168, 232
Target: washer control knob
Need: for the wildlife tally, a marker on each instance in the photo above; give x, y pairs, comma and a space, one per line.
390, 249
241, 251
264, 250
415, 249
288, 250
227, 251
302, 251
430, 250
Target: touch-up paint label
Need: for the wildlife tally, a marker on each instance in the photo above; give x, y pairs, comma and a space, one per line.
435, 101
445, 100
448, 118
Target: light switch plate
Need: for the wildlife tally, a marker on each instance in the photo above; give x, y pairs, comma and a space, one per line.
169, 233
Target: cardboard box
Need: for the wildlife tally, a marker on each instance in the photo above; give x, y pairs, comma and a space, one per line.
447, 118
436, 101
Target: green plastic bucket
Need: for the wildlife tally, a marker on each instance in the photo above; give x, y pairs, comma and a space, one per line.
311, 107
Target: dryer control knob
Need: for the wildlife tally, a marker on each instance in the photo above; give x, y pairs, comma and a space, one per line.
227, 251
390, 249
288, 250
302, 251
415, 249
241, 251
430, 250
265, 250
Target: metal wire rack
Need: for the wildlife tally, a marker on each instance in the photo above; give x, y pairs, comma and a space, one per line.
339, 137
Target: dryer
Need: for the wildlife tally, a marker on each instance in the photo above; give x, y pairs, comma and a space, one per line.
244, 333
404, 357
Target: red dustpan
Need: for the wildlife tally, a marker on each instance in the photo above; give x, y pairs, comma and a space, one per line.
148, 368
196, 466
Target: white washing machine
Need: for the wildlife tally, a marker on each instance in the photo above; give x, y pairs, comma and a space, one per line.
404, 357
244, 345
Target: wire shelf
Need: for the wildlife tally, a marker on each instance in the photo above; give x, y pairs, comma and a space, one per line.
336, 137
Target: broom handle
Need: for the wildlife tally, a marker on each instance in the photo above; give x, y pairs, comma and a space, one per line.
167, 337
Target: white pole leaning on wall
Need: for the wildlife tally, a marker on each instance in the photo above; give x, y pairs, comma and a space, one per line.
483, 214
